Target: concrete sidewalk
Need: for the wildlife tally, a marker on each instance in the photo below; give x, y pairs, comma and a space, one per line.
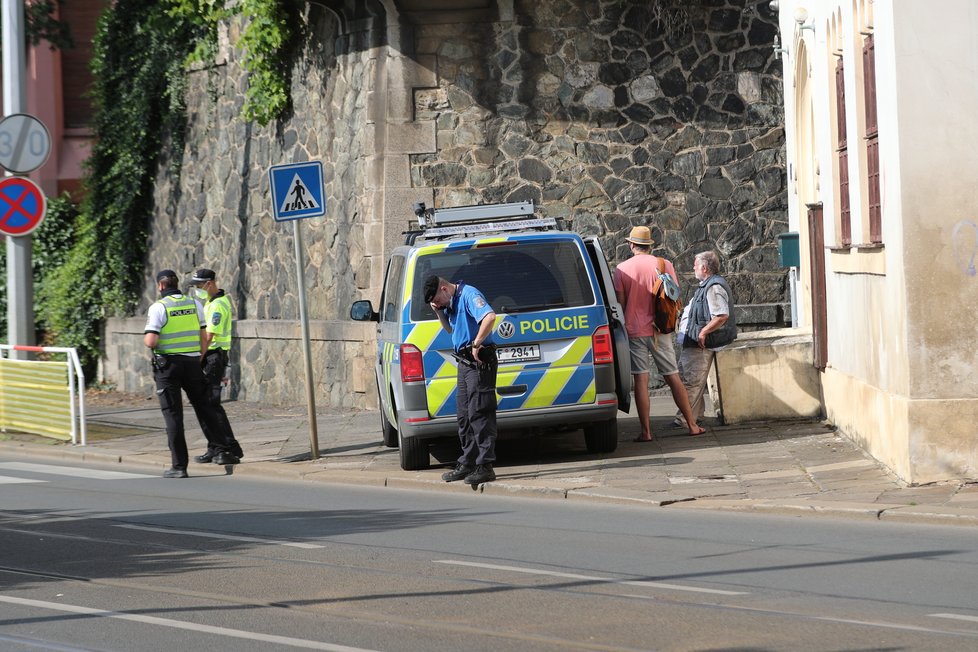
796, 467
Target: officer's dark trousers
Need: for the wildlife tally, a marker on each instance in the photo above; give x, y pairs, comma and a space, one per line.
475, 407
215, 364
183, 372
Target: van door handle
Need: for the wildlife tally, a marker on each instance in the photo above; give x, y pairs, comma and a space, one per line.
511, 390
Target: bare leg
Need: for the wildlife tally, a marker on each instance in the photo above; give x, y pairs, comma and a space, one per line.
681, 399
642, 403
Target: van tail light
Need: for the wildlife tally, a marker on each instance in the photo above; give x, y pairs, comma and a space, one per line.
604, 352
412, 363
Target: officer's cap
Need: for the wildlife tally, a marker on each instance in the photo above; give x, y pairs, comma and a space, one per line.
166, 273
203, 275
431, 288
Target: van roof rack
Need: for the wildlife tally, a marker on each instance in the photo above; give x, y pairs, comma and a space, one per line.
437, 223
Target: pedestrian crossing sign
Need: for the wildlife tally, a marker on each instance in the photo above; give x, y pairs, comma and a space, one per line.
297, 190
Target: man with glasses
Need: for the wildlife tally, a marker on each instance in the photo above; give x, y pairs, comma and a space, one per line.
708, 325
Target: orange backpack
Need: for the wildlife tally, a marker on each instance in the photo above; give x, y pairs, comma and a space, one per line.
666, 305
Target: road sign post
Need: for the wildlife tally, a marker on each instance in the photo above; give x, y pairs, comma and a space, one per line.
20, 281
298, 193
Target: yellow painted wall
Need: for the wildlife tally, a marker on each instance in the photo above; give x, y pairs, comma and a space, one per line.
902, 329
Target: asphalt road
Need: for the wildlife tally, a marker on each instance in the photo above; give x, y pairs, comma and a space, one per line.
96, 560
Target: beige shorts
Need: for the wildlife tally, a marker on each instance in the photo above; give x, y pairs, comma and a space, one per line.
658, 349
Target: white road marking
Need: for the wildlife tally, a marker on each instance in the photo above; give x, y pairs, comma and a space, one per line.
92, 474
227, 537
4, 479
177, 624
846, 621
589, 578
970, 619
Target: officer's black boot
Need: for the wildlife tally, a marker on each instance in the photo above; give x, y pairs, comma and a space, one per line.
225, 458
482, 473
460, 471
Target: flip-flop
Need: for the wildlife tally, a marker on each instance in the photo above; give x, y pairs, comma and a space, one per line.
702, 431
639, 440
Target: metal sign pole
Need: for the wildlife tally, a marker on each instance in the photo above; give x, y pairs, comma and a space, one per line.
20, 279
297, 193
306, 351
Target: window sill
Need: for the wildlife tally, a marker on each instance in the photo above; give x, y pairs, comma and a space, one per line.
858, 259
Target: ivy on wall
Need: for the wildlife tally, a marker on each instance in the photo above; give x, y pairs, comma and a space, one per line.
141, 52
264, 39
138, 66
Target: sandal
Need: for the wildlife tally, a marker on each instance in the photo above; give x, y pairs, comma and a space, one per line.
641, 440
702, 431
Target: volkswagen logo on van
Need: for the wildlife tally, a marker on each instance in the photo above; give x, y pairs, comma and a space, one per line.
506, 329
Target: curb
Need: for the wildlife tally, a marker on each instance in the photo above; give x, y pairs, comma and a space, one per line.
304, 471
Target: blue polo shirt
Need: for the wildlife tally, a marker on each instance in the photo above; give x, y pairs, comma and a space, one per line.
469, 307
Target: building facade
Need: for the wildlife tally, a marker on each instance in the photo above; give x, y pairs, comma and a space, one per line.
880, 99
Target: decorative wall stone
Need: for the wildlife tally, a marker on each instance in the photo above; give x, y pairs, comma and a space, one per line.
217, 213
589, 109
583, 106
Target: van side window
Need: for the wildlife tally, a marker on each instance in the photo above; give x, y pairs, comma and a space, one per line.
393, 289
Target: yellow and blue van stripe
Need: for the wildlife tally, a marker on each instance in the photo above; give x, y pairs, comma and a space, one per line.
567, 380
388, 353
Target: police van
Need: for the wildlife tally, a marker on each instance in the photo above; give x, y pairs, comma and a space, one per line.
562, 346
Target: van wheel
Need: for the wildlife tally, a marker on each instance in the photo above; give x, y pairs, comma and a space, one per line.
601, 437
390, 432
414, 453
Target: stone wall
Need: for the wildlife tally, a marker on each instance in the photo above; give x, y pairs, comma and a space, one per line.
266, 361
584, 106
216, 212
589, 109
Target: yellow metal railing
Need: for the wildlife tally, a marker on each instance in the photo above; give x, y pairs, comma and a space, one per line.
43, 397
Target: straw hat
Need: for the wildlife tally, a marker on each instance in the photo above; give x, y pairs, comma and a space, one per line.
640, 235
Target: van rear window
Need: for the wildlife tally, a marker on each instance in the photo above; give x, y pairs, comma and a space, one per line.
515, 277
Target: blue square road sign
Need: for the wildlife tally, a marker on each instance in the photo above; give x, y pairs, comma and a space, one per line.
297, 190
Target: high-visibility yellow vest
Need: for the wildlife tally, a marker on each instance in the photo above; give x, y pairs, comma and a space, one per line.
217, 314
181, 332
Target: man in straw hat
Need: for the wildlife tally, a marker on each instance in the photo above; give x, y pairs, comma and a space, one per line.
634, 279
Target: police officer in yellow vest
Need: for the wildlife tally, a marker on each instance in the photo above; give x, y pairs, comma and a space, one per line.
217, 345
174, 332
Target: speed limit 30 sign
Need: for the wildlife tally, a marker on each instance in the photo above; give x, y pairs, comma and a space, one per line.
24, 143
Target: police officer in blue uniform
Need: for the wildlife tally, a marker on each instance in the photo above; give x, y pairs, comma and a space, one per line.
464, 312
173, 332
